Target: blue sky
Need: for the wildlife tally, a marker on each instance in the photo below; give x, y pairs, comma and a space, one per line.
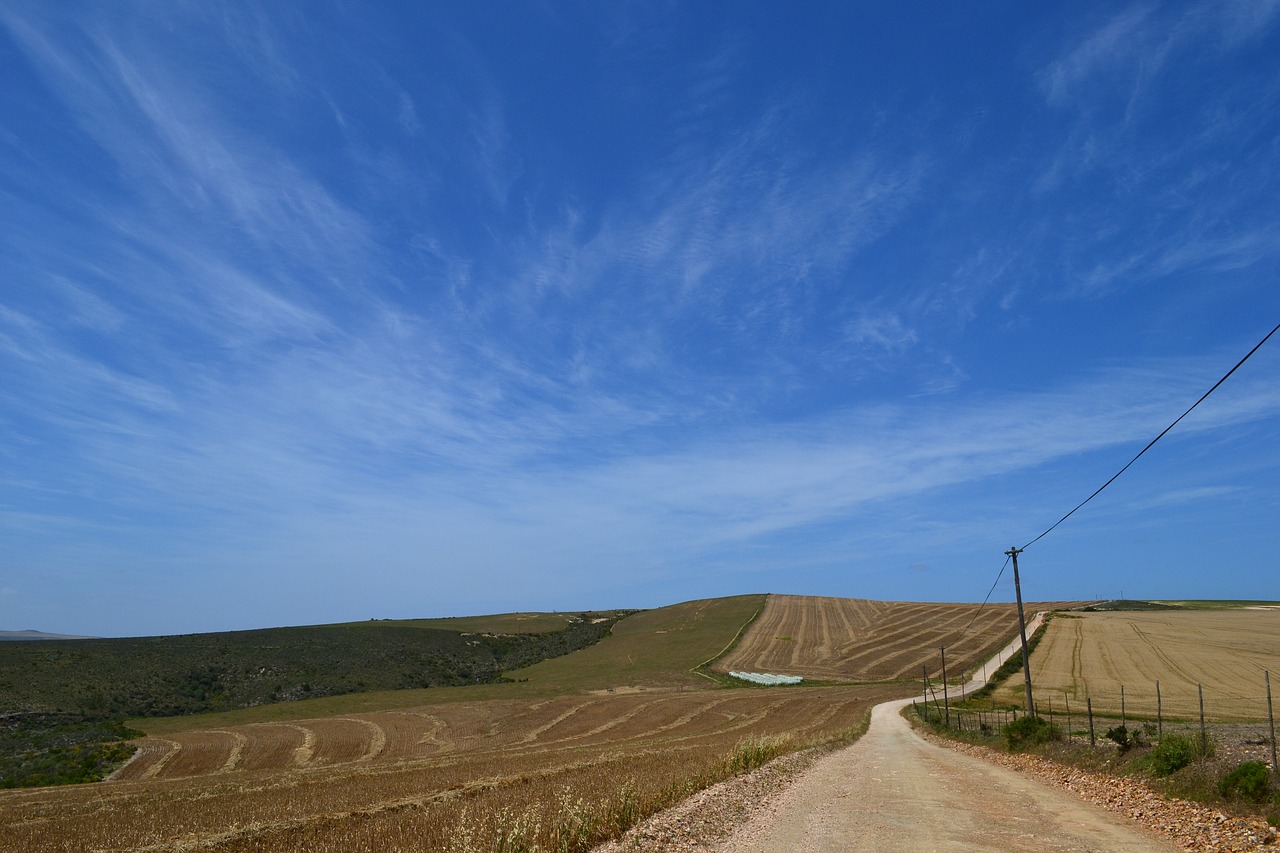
326, 311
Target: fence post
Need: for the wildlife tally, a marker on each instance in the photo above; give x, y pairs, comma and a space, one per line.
1067, 699
946, 703
1089, 704
1275, 766
1204, 737
1124, 720
1159, 714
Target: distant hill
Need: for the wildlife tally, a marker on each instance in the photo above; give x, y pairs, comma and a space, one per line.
38, 635
194, 673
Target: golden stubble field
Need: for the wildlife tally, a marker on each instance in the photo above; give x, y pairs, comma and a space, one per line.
442, 777
854, 639
577, 751
1091, 655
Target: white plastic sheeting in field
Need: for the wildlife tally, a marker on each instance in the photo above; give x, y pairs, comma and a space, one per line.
766, 678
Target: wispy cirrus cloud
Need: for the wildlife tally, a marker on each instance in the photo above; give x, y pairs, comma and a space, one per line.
296, 306
1135, 45
1124, 42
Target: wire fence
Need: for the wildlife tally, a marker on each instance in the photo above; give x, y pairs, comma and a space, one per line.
1134, 716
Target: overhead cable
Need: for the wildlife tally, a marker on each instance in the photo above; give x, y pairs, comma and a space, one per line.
988, 598
1157, 438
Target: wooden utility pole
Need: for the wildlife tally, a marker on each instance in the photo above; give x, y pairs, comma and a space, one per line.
1022, 630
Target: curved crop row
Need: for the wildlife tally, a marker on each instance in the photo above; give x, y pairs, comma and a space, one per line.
367, 779
850, 639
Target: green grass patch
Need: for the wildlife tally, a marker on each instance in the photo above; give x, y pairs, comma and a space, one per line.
654, 648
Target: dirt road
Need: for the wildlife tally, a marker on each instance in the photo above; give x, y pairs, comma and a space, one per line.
893, 791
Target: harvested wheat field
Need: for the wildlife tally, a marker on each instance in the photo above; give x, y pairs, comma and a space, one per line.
442, 777
583, 747
579, 750
854, 639
1091, 655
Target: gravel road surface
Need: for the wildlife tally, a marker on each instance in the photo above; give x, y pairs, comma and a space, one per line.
892, 790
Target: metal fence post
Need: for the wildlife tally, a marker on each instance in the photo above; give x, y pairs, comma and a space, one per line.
1089, 704
1275, 765
1159, 714
1204, 737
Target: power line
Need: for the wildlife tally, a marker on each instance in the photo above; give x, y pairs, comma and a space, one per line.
1157, 438
1118, 473
985, 600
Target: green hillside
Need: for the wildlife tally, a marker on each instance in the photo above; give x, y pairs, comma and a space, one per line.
654, 648
650, 649
64, 700
194, 673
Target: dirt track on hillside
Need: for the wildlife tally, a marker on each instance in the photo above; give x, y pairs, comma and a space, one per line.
894, 791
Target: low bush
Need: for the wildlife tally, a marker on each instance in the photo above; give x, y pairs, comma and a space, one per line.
1250, 781
60, 749
1175, 751
1125, 738
1029, 731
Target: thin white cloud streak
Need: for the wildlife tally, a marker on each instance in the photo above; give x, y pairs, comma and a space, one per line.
1112, 45
168, 138
1136, 45
359, 448
732, 252
1127, 181
731, 247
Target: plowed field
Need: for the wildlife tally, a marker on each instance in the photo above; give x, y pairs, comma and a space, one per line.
1091, 655
400, 780
853, 639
